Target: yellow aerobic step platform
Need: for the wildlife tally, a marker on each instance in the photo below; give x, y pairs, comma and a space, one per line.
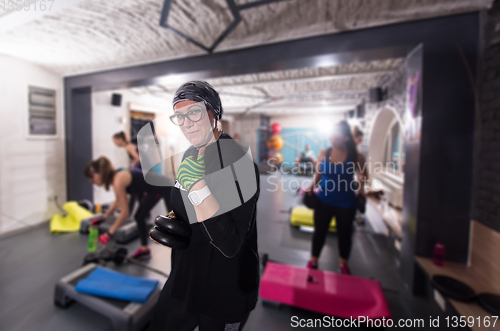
302, 216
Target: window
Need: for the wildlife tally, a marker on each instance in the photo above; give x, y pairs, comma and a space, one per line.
41, 111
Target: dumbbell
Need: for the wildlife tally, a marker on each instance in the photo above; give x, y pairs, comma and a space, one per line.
94, 257
115, 254
171, 232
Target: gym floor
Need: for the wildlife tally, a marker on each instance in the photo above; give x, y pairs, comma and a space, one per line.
31, 262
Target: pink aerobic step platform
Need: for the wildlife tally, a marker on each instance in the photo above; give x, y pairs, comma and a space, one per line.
328, 293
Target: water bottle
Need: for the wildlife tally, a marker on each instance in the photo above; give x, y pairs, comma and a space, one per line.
438, 255
92, 241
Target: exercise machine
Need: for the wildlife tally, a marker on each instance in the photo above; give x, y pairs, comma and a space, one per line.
303, 216
305, 168
325, 292
124, 234
124, 315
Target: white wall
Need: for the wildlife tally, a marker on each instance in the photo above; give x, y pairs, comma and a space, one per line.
247, 128
231, 119
31, 170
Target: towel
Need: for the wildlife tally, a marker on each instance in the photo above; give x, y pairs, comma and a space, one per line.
111, 284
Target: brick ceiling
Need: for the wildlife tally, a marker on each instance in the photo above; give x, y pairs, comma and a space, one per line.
340, 88
94, 35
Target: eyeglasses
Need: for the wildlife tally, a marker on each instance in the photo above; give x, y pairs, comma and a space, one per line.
194, 114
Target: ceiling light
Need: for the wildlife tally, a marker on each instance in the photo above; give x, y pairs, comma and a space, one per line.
324, 127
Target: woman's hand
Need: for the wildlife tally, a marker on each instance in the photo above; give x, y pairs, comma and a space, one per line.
171, 215
309, 190
104, 238
97, 220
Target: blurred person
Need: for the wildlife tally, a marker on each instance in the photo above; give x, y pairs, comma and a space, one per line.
357, 136
213, 282
237, 138
120, 139
335, 174
307, 157
102, 173
243, 143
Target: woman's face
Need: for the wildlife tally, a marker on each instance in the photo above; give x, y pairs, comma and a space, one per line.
337, 139
198, 133
96, 179
118, 142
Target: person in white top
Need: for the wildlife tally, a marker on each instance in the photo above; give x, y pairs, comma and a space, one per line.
307, 156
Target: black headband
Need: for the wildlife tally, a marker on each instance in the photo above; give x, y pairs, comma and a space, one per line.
200, 91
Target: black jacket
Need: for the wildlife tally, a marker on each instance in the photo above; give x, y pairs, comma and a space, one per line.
218, 274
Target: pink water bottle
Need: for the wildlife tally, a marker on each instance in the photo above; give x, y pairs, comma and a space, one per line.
439, 253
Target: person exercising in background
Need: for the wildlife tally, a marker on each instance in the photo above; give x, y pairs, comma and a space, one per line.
335, 174
101, 173
357, 136
121, 140
307, 157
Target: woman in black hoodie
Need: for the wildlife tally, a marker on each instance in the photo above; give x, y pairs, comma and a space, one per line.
214, 282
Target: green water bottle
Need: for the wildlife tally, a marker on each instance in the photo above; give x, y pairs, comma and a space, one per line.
92, 241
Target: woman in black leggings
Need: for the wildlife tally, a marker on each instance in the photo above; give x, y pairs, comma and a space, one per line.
101, 173
338, 193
